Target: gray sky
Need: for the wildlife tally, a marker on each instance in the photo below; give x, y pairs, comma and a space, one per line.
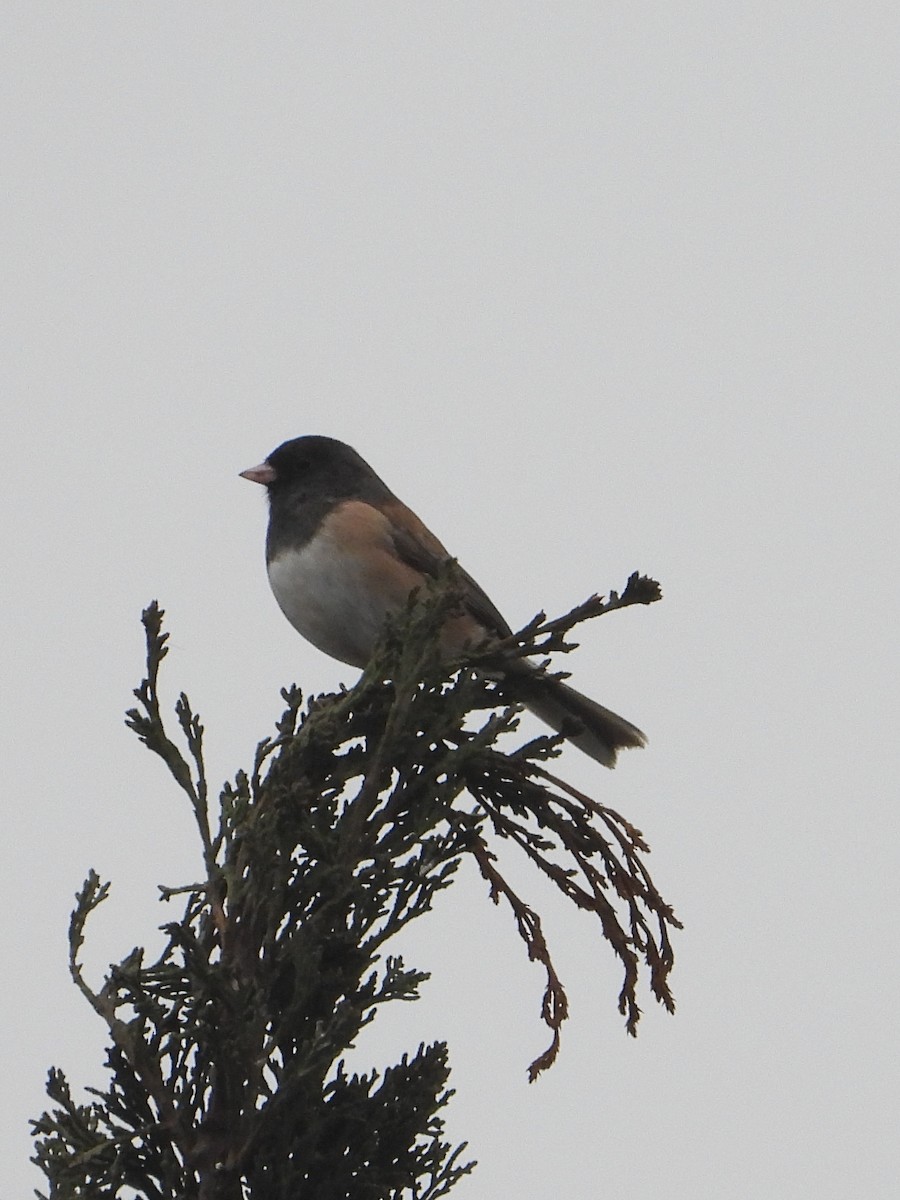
595, 287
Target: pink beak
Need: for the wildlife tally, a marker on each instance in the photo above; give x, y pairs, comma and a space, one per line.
263, 474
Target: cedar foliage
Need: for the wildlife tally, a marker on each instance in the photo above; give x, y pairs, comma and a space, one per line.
226, 1076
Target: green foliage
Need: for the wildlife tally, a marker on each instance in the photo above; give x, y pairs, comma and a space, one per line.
226, 1067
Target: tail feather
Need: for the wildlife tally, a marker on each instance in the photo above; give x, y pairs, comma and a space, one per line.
595, 730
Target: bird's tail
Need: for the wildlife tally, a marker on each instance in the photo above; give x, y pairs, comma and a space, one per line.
595, 730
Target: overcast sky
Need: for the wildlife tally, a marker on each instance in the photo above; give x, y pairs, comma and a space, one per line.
595, 287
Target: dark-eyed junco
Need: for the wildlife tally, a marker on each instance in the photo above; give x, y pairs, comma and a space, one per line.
343, 553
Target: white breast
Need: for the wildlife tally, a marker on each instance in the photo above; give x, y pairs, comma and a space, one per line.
326, 596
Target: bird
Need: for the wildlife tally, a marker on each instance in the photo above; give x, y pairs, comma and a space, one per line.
343, 554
